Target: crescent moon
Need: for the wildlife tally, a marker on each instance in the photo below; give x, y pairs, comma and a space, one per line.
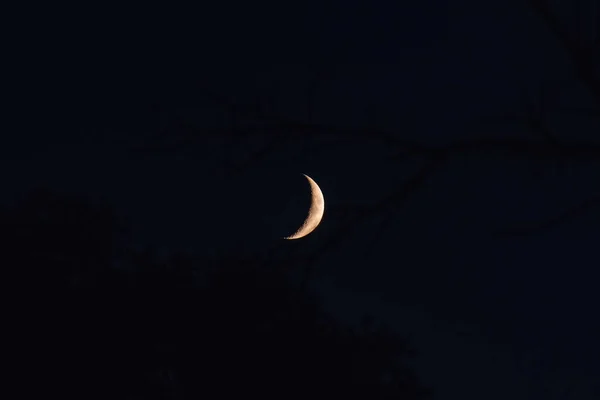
315, 212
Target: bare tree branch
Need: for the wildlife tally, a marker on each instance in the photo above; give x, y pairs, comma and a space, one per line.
582, 57
357, 215
587, 112
257, 156
254, 120
516, 147
550, 223
541, 150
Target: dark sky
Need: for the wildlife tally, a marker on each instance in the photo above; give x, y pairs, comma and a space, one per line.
492, 317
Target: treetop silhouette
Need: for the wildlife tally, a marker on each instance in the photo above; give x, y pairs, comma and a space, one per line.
180, 327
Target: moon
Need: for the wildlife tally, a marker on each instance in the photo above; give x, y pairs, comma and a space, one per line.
315, 212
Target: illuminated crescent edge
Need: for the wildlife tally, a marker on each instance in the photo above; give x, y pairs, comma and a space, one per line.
315, 212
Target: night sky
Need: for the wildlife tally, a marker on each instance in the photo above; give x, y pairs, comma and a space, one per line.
137, 107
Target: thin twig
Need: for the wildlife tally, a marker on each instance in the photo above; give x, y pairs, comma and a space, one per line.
550, 223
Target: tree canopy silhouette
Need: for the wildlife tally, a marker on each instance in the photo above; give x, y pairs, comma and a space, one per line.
180, 326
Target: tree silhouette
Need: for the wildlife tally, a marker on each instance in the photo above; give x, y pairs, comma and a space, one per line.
179, 326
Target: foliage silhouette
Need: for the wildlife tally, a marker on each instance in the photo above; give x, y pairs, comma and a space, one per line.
177, 327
